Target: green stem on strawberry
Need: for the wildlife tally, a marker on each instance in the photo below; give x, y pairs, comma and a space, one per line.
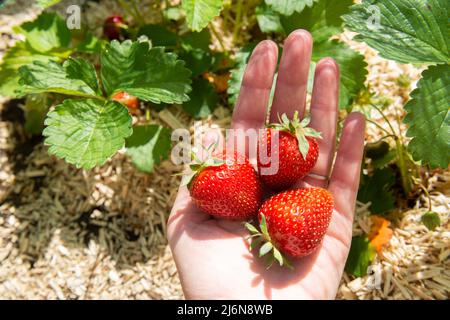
297, 128
198, 166
262, 239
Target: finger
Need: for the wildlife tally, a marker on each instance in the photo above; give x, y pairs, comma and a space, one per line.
251, 107
345, 177
324, 112
292, 80
184, 210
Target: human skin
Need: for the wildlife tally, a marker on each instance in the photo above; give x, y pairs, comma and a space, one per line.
212, 257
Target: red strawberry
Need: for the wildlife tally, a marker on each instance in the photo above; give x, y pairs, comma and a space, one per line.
113, 26
225, 187
123, 97
297, 152
294, 222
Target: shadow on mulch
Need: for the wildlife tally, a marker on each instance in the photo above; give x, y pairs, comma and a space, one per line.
41, 205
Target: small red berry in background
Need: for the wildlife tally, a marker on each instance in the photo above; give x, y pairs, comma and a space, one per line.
113, 27
130, 101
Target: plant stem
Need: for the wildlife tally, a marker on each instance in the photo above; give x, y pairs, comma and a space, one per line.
139, 18
218, 37
379, 127
400, 148
237, 22
385, 118
430, 206
401, 163
388, 136
126, 7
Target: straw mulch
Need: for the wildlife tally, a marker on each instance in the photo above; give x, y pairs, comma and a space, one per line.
101, 234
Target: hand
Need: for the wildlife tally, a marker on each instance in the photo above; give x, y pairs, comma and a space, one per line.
211, 255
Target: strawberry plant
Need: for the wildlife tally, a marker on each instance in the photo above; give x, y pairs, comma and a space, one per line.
409, 32
88, 130
427, 111
189, 30
92, 122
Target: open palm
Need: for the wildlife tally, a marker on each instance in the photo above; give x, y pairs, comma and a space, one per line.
211, 254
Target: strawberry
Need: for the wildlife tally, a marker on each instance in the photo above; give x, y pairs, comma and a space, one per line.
293, 222
113, 27
226, 187
123, 97
297, 152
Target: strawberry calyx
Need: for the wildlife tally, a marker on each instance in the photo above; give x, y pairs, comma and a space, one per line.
297, 128
264, 241
198, 166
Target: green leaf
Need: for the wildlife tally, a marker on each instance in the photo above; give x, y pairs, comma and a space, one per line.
87, 132
159, 35
351, 64
263, 225
288, 7
203, 99
82, 70
378, 190
256, 241
360, 256
88, 42
20, 54
409, 31
187, 179
266, 247
303, 144
149, 74
197, 61
431, 220
148, 145
196, 40
428, 117
35, 109
47, 38
277, 255
385, 160
268, 19
196, 53
237, 73
47, 3
173, 13
200, 12
47, 33
251, 228
74, 77
323, 19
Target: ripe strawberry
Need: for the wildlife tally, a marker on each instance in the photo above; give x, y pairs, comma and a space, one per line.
123, 97
293, 222
225, 187
297, 152
113, 27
